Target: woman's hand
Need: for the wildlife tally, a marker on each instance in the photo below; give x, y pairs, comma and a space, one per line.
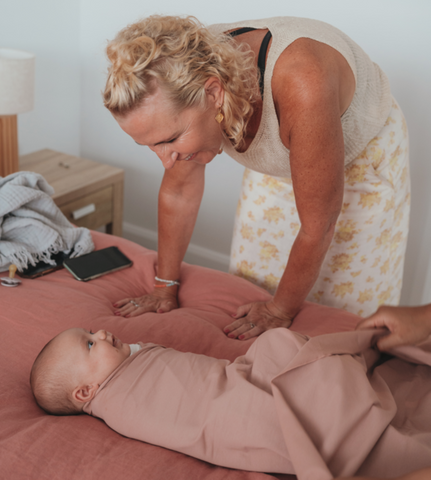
160, 302
255, 318
179, 199
407, 325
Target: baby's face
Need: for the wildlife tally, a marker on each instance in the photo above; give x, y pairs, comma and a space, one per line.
94, 356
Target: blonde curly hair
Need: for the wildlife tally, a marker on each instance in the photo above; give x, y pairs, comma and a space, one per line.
179, 54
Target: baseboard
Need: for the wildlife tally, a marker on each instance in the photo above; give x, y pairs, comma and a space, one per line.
195, 254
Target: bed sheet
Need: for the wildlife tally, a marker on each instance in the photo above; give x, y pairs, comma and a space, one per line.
36, 445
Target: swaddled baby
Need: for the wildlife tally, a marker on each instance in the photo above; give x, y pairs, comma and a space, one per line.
318, 407
211, 409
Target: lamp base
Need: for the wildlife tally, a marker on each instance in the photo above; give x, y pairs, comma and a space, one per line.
8, 145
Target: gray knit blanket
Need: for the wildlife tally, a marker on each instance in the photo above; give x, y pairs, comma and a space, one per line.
32, 227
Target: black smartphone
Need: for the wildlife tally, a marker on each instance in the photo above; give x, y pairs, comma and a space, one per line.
43, 268
97, 263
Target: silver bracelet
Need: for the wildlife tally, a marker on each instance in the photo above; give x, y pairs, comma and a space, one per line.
171, 282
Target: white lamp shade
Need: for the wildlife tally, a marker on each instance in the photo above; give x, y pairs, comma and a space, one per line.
16, 81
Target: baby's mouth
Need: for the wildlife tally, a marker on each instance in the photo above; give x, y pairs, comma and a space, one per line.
116, 342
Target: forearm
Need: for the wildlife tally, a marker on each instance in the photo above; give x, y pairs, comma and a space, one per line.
174, 232
302, 270
177, 213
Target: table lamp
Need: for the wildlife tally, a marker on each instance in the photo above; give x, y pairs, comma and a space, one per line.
16, 96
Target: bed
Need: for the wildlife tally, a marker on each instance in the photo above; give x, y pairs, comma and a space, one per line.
34, 445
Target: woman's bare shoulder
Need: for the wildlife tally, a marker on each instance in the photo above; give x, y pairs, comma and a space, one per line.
306, 70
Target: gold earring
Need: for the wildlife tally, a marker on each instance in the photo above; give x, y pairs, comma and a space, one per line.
219, 117
220, 150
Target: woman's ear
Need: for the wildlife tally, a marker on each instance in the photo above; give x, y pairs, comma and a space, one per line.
214, 92
84, 394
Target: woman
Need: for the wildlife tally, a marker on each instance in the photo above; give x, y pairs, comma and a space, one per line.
321, 121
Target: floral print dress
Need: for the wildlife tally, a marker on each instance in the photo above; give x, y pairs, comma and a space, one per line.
363, 267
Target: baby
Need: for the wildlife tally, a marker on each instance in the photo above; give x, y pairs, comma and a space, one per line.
194, 404
275, 409
70, 368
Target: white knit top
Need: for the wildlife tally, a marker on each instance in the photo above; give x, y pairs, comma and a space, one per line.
361, 122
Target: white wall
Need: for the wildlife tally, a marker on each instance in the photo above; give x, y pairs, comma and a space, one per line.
395, 33
50, 29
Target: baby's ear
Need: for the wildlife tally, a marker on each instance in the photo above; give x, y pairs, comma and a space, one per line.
84, 393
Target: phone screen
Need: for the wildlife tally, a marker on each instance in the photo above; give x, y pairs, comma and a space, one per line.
42, 268
97, 263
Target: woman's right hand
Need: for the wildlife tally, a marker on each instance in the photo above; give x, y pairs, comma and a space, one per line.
159, 301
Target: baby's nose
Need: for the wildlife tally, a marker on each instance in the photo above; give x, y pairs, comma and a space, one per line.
102, 334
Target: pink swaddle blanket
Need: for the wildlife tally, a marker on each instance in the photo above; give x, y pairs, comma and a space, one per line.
318, 407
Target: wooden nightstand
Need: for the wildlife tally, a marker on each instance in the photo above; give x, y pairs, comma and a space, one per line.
90, 194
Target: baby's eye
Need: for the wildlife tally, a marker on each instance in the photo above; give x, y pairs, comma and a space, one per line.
90, 344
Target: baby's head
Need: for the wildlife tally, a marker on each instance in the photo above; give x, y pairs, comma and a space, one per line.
70, 368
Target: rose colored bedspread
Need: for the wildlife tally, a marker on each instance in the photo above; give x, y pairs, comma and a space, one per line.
34, 445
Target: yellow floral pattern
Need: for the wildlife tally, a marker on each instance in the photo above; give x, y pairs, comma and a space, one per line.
364, 264
274, 214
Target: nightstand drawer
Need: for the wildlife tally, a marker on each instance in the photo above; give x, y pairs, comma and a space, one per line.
94, 191
99, 204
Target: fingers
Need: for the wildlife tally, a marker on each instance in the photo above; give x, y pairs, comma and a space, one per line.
254, 331
141, 309
132, 307
389, 342
255, 318
379, 319
124, 307
242, 330
121, 303
243, 310
371, 322
232, 327
166, 307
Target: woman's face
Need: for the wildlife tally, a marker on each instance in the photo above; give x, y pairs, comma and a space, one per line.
192, 135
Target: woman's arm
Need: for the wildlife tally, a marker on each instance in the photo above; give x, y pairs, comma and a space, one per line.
180, 196
310, 97
309, 106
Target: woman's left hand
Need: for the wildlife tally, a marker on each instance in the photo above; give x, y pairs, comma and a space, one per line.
255, 318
